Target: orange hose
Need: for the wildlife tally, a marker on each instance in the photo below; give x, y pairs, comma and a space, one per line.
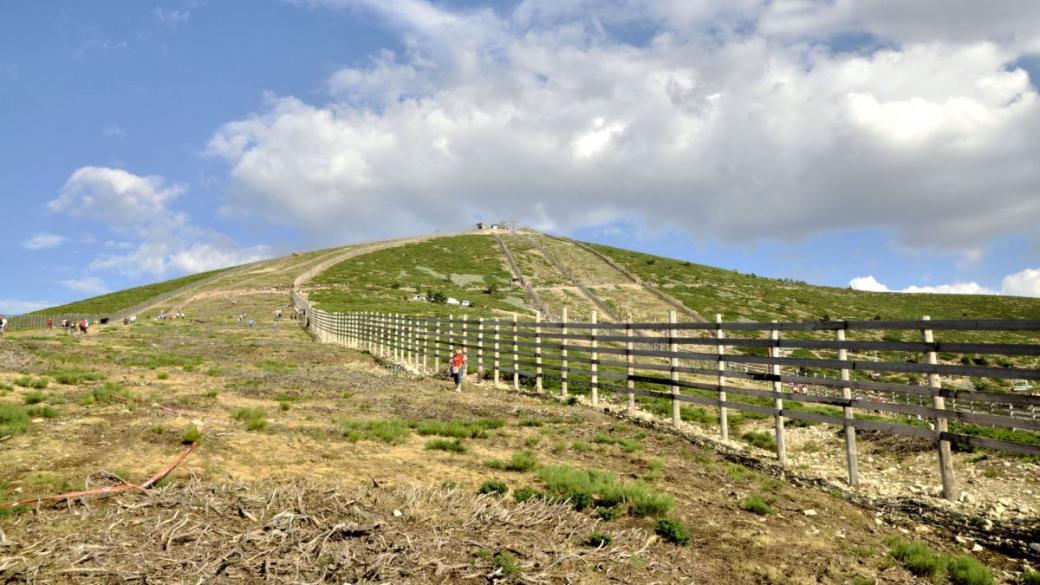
108, 489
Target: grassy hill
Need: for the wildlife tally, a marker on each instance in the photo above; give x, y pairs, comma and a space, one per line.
115, 301
468, 267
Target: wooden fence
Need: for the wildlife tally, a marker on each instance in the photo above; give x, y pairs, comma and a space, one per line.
888, 380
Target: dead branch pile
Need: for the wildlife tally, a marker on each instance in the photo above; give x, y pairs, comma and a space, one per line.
318, 533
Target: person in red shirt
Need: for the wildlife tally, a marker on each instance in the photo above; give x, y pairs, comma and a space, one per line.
457, 368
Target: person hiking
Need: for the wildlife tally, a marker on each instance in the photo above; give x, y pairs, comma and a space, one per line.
3, 323
457, 368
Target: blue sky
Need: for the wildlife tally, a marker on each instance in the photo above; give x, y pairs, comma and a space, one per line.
828, 142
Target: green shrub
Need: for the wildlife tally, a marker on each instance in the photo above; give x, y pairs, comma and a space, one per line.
42, 412
474, 429
23, 381
452, 445
255, 419
756, 505
581, 446
760, 439
13, 420
918, 558
530, 422
39, 383
672, 531
585, 487
34, 397
493, 486
967, 570
532, 441
392, 431
858, 580
75, 376
609, 513
162, 376
506, 564
192, 435
212, 393
1030, 577
106, 393
599, 539
523, 494
522, 461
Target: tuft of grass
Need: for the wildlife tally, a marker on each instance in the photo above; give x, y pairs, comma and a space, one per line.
506, 564
672, 531
580, 446
44, 411
532, 441
599, 539
75, 376
608, 513
493, 486
106, 393
39, 383
212, 393
1030, 577
918, 558
255, 419
858, 580
522, 462
192, 435
967, 570
523, 494
23, 381
739, 472
162, 376
391, 431
756, 505
582, 488
13, 420
452, 445
531, 422
473, 429
34, 397
760, 439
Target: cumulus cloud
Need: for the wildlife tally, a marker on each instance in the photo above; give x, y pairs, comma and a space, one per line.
43, 242
155, 238
747, 131
1024, 284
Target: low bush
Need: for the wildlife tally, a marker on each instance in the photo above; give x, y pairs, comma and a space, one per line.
493, 486
13, 420
474, 429
106, 393
1030, 577
23, 381
608, 513
967, 570
522, 461
255, 419
918, 558
760, 439
34, 397
392, 431
192, 435
452, 445
523, 494
585, 487
672, 531
42, 411
75, 376
599, 539
756, 505
506, 564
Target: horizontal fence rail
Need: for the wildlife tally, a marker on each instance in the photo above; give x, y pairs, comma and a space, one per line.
973, 389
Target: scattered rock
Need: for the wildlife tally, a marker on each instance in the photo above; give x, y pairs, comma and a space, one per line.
809, 512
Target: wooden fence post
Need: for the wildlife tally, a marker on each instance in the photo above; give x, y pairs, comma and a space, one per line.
465, 342
496, 368
516, 357
424, 339
630, 384
949, 487
480, 350
451, 337
538, 351
563, 356
437, 347
720, 334
778, 403
594, 381
850, 431
673, 365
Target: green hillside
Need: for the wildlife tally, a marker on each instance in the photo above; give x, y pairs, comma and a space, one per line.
467, 267
115, 301
744, 296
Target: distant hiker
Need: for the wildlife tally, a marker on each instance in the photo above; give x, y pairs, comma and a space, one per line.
251, 323
3, 323
50, 324
457, 368
83, 326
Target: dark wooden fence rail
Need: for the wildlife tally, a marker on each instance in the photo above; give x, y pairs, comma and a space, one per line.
700, 364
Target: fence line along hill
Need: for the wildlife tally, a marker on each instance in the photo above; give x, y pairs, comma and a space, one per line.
231, 446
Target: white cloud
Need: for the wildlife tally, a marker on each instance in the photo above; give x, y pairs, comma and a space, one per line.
541, 116
867, 283
43, 242
17, 307
154, 238
171, 16
91, 285
1025, 283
